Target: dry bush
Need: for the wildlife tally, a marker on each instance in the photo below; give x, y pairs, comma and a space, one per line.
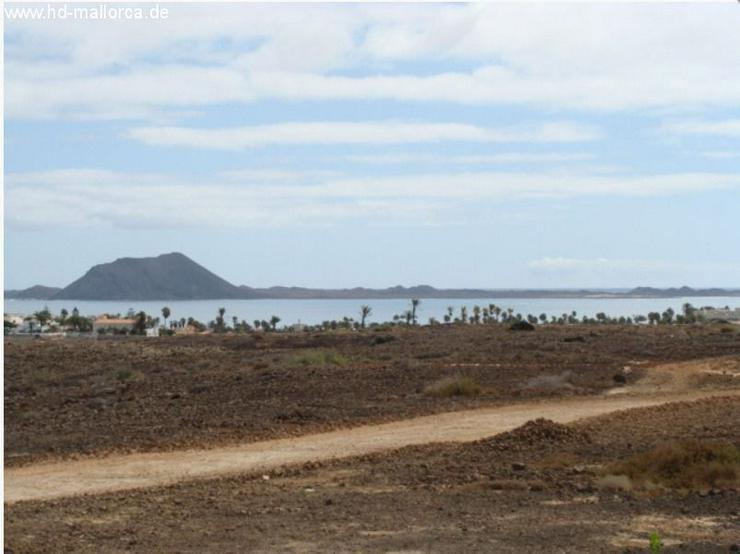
453, 386
614, 482
690, 464
318, 358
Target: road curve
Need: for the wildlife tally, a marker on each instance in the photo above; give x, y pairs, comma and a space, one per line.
46, 481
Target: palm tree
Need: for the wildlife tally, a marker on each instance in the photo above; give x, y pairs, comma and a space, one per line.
464, 314
165, 314
668, 315
414, 304
365, 312
476, 314
409, 315
274, 320
220, 320
140, 323
64, 313
43, 316
235, 321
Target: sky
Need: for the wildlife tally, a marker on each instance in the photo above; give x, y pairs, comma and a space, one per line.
340, 145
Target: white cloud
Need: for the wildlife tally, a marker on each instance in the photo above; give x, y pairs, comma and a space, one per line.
722, 128
382, 132
552, 55
500, 158
626, 269
721, 154
108, 199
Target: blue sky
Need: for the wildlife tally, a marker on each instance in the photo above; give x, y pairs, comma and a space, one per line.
502, 145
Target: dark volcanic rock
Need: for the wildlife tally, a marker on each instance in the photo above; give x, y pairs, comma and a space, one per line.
166, 277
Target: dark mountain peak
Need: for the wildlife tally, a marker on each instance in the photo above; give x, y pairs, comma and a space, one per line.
171, 276
36, 292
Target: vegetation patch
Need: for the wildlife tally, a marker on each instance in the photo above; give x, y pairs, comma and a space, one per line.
382, 339
453, 386
125, 375
690, 464
318, 358
521, 326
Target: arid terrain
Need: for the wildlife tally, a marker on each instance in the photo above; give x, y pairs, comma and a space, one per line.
446, 439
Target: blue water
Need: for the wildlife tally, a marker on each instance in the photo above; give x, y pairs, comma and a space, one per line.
316, 311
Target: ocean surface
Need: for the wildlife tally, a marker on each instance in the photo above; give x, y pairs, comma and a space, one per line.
316, 311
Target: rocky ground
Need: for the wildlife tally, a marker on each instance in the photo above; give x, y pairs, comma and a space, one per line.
543, 487
82, 397
539, 488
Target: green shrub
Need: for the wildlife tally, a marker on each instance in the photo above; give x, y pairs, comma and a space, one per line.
453, 386
318, 358
125, 375
521, 326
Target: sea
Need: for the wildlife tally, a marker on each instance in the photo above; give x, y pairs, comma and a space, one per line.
316, 311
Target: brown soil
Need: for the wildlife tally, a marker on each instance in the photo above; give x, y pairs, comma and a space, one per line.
540, 487
121, 472
81, 397
535, 489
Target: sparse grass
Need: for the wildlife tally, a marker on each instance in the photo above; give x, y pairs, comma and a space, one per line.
127, 375
690, 464
453, 386
318, 358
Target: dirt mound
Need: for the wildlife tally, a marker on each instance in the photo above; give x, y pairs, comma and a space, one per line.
540, 433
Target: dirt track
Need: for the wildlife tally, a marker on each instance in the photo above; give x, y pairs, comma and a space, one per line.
66, 398
113, 473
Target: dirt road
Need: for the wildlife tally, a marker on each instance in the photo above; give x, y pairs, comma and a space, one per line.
122, 472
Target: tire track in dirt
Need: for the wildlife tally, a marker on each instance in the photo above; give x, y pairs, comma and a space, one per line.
46, 481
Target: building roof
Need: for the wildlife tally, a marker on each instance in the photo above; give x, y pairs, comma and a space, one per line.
114, 321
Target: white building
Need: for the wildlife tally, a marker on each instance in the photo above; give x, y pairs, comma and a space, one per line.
712, 314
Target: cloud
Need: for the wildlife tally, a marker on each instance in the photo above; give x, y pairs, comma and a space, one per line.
547, 55
272, 198
382, 132
500, 158
626, 269
721, 154
722, 128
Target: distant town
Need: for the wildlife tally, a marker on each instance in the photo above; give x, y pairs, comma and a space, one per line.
74, 324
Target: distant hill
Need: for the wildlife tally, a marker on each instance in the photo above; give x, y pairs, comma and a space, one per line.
650, 292
36, 292
166, 277
419, 291
176, 277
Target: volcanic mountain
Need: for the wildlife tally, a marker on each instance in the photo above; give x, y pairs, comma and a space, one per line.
167, 277
176, 277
